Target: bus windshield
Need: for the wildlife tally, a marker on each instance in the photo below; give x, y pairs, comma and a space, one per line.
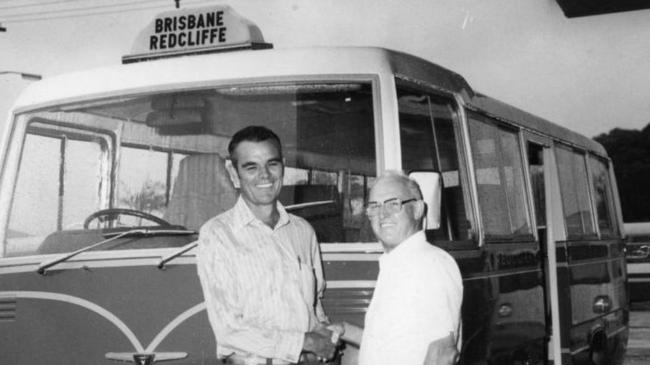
157, 160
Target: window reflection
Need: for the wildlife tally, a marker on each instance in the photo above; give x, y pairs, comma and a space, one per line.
428, 136
574, 185
499, 178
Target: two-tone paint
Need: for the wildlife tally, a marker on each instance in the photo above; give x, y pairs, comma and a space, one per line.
525, 302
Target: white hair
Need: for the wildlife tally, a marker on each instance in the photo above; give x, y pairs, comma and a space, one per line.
398, 176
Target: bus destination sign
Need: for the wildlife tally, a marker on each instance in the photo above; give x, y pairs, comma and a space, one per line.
194, 31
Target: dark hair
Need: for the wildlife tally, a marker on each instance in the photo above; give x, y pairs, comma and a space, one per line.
253, 133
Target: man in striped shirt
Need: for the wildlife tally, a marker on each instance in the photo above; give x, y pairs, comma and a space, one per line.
260, 266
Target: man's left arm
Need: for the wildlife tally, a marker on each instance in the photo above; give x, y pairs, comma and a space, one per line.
449, 296
319, 277
442, 351
434, 301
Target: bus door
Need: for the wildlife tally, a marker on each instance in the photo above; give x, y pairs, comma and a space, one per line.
515, 328
539, 157
591, 267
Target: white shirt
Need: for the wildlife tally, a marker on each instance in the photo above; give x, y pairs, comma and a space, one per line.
417, 300
262, 286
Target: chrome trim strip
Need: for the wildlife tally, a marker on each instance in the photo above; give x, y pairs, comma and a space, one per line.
579, 349
502, 274
97, 263
351, 256
360, 247
112, 262
617, 331
595, 261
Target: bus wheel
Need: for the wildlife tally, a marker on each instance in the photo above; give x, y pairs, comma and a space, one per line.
598, 349
527, 357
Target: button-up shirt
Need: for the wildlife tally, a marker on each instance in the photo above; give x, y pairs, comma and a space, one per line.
262, 285
417, 300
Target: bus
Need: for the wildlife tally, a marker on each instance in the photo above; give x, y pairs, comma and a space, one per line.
107, 174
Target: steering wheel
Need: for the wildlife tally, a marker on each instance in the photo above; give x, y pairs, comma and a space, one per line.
111, 214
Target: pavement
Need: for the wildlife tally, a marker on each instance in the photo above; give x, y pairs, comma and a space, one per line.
638, 345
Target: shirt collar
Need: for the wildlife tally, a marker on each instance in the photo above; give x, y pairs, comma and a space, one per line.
243, 216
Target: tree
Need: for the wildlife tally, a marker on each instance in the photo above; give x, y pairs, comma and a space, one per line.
150, 199
630, 153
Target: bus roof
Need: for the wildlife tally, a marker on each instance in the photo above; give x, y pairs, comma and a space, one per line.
511, 114
249, 64
172, 73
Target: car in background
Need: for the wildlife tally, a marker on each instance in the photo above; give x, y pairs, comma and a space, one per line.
638, 260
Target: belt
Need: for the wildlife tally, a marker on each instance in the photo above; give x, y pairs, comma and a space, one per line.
244, 360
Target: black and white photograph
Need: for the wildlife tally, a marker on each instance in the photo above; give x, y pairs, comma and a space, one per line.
284, 182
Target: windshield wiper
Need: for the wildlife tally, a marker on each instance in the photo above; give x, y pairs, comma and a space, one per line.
140, 231
173, 255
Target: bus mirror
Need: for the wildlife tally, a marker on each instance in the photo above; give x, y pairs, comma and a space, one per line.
431, 187
178, 114
173, 118
177, 122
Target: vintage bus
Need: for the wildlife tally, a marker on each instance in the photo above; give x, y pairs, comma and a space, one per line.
106, 176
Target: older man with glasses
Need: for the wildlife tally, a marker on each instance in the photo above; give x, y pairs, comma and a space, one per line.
414, 315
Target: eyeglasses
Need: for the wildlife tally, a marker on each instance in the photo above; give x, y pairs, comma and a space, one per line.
391, 206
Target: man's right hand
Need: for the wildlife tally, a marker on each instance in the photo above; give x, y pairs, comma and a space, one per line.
320, 344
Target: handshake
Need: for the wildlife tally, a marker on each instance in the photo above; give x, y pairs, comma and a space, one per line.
324, 342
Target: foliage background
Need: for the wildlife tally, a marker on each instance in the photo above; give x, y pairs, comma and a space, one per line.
630, 153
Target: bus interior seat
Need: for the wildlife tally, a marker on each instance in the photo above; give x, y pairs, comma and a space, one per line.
201, 191
326, 218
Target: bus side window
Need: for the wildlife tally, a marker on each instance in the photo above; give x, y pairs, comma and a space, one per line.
428, 137
536, 172
499, 178
574, 186
603, 197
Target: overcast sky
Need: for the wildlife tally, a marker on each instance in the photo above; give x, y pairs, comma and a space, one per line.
590, 74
